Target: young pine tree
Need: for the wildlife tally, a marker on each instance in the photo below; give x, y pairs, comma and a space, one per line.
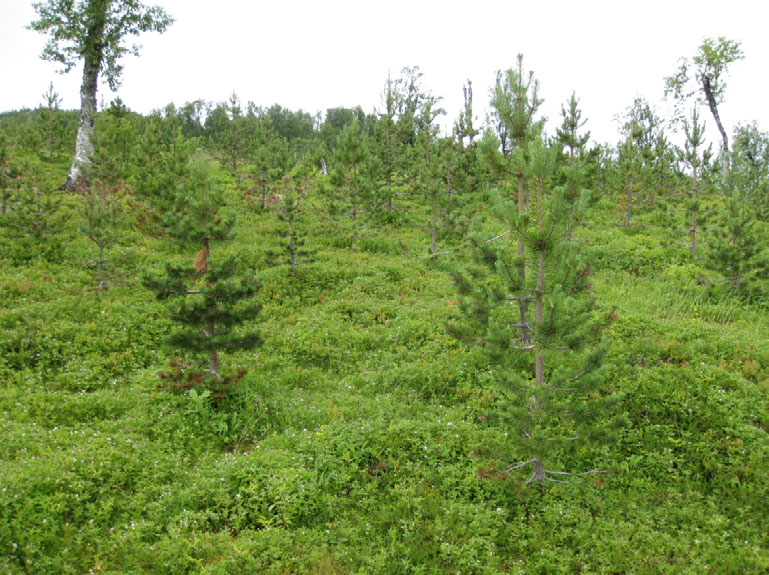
289, 211
233, 137
464, 128
750, 159
428, 165
454, 165
271, 161
634, 178
515, 102
641, 128
10, 175
466, 169
350, 175
34, 215
104, 187
736, 247
387, 146
568, 132
162, 161
211, 299
266, 151
696, 160
551, 381
50, 120
568, 135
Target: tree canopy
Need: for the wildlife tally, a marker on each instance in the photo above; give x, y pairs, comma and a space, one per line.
95, 29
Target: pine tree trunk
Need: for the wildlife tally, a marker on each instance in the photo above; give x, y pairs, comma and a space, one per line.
201, 265
292, 246
434, 231
354, 199
389, 171
539, 360
354, 218
539, 316
51, 136
629, 208
523, 305
100, 263
693, 230
539, 471
448, 189
213, 358
264, 190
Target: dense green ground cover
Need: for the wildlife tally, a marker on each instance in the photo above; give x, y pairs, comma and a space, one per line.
359, 441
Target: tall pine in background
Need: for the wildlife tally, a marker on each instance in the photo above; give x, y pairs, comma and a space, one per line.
50, 119
695, 133
104, 189
387, 146
428, 165
162, 161
641, 128
289, 210
568, 132
349, 176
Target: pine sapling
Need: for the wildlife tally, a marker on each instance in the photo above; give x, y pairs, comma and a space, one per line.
35, 213
554, 399
210, 300
695, 132
289, 211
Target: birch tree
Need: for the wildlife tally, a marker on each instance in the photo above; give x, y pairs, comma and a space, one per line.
704, 76
93, 31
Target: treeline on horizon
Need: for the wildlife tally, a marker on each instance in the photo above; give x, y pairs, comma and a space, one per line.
371, 158
237, 130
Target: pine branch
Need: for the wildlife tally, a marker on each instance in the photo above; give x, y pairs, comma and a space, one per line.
574, 378
519, 465
528, 435
591, 472
522, 347
502, 235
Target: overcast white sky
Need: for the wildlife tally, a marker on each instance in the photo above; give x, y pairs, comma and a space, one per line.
314, 54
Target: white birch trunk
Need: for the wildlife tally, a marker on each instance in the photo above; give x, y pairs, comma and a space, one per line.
83, 143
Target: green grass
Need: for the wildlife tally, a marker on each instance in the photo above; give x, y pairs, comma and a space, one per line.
359, 441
